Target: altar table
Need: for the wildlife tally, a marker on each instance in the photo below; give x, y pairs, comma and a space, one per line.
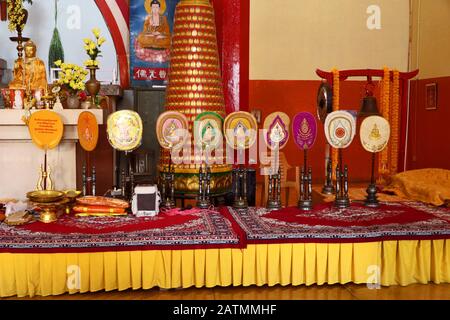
391, 262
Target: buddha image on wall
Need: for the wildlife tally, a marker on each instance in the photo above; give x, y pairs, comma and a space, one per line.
153, 43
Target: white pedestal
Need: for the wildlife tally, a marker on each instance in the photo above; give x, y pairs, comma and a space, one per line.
20, 159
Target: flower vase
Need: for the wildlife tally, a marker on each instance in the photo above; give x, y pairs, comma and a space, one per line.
93, 85
73, 101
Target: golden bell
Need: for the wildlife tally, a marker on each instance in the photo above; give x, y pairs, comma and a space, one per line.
368, 106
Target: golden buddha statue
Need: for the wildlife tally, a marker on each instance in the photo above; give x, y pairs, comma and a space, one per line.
29, 74
156, 32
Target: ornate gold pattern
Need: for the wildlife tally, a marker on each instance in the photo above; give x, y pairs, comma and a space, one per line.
195, 84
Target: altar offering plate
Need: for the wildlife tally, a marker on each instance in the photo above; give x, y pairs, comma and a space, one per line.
49, 211
71, 196
45, 196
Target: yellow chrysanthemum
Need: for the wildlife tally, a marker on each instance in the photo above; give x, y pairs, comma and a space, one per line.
96, 32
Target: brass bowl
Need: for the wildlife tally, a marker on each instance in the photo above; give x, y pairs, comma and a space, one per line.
72, 194
45, 196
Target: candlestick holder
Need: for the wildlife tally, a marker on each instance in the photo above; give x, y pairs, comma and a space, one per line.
167, 182
204, 190
89, 181
240, 188
305, 202
328, 186
274, 194
372, 199
342, 200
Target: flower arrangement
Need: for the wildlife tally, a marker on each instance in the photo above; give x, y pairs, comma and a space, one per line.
71, 76
17, 14
92, 48
83, 96
336, 107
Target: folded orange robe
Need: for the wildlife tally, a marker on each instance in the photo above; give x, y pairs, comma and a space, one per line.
102, 201
97, 209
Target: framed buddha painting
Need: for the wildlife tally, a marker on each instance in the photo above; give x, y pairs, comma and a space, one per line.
151, 27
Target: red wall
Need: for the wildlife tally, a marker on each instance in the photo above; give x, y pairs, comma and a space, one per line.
429, 131
292, 97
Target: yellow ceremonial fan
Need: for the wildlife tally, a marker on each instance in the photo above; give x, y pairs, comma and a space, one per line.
240, 130
87, 131
124, 130
46, 129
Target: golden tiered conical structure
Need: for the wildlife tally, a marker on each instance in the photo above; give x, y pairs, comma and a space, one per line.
195, 86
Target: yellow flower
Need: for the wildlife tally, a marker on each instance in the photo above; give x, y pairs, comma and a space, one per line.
87, 40
101, 41
92, 46
58, 63
96, 32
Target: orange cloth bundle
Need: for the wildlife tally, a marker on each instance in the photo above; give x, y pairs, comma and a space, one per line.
427, 185
103, 202
97, 209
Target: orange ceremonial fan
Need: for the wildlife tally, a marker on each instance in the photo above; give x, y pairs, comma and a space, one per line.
87, 130
46, 129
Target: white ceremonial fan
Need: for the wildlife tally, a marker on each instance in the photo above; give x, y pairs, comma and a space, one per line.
340, 129
374, 133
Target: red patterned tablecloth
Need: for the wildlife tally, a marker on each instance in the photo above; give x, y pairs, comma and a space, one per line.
204, 229
391, 221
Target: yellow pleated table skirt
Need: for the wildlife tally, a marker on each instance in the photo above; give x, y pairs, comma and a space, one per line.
387, 263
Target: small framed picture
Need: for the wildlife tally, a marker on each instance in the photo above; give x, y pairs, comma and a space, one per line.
6, 98
431, 96
257, 114
17, 97
54, 74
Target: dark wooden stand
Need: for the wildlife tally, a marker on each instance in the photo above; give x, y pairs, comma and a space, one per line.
342, 200
305, 202
240, 188
204, 188
372, 199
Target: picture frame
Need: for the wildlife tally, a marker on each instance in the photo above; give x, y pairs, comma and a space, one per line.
431, 96
54, 74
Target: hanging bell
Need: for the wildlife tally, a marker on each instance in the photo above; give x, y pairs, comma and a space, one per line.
368, 106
